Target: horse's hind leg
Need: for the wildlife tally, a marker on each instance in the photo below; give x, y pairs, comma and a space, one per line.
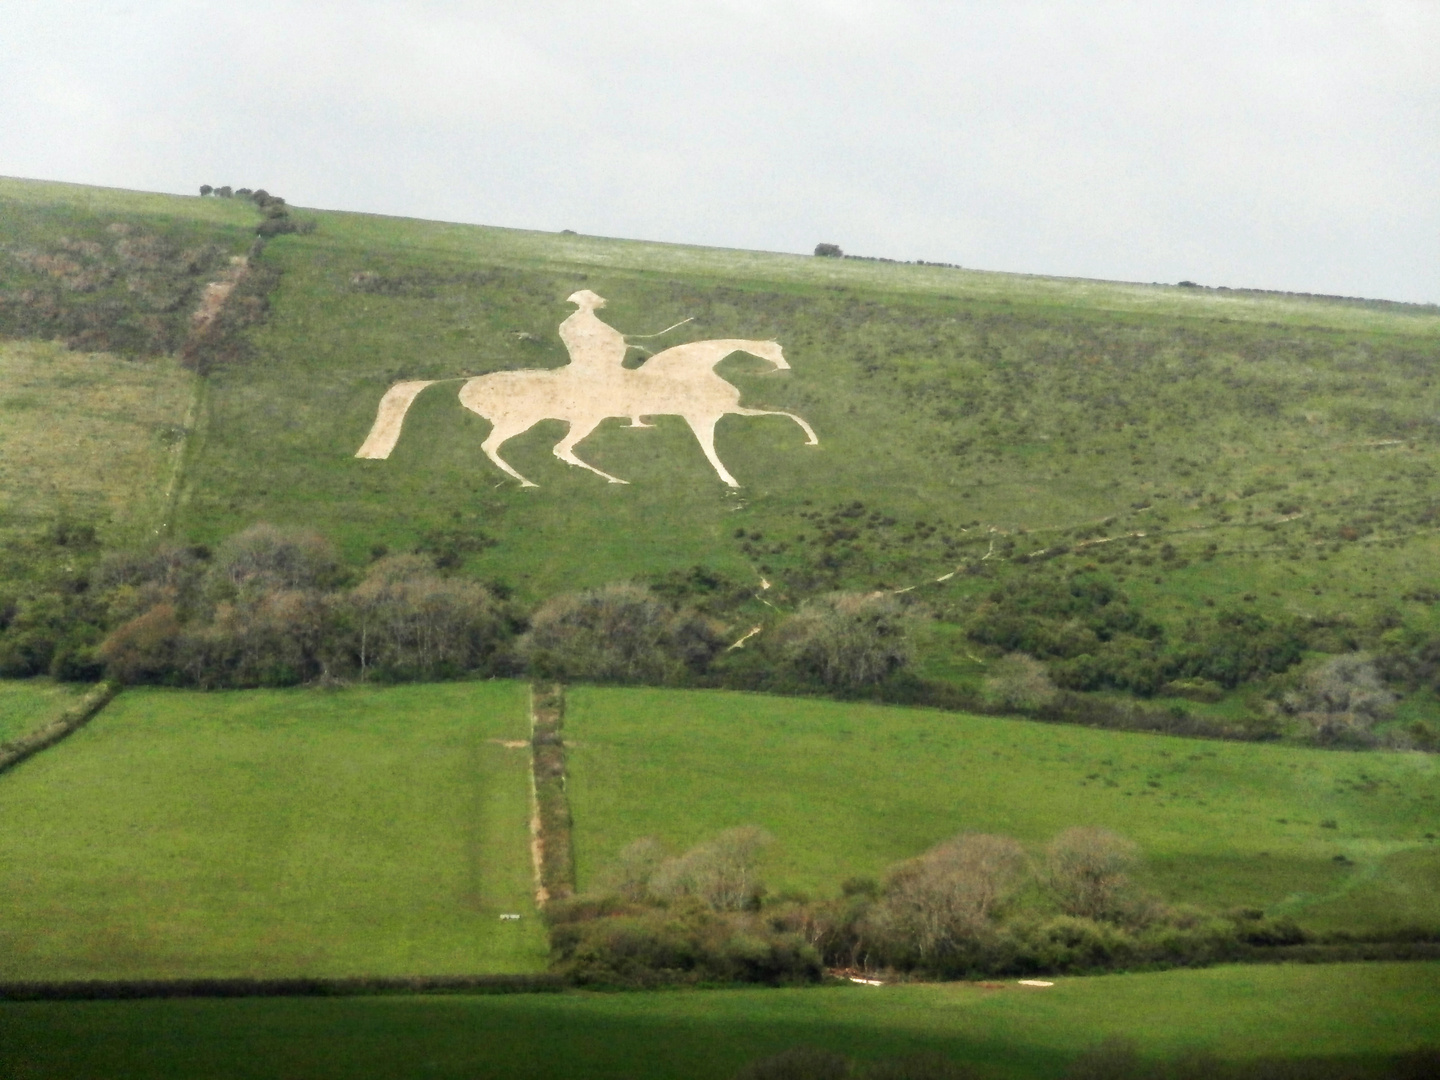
704, 428
565, 448
501, 431
809, 431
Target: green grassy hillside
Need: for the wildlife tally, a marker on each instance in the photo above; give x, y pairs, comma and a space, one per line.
1205, 451
274, 833
1338, 840
1349, 1017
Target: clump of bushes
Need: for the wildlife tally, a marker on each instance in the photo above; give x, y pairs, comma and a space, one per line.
620, 633
975, 905
690, 918
274, 607
846, 641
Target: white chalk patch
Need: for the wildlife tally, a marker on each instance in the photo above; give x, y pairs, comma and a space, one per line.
866, 982
593, 387
1035, 982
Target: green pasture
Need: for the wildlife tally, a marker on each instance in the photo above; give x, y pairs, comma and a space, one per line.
1351, 1017
274, 833
30, 703
1339, 840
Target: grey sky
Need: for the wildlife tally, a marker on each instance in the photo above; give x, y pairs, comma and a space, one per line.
1280, 145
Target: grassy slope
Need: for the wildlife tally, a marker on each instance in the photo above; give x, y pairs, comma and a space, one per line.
24, 706
1295, 436
88, 437
849, 789
274, 833
973, 399
1351, 1013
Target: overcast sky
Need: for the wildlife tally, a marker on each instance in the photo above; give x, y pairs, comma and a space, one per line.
1279, 145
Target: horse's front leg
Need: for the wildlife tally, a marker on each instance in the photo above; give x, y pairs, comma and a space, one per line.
811, 439
704, 428
565, 448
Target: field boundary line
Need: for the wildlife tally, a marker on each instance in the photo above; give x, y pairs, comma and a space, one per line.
132, 989
69, 721
551, 845
195, 426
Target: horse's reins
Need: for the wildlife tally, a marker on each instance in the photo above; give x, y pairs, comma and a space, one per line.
636, 337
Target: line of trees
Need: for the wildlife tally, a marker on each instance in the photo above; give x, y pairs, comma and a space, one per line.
276, 606
973, 905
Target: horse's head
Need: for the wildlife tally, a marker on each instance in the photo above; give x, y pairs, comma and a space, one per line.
769, 350
586, 300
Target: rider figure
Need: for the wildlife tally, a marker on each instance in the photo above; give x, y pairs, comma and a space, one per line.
595, 349
593, 346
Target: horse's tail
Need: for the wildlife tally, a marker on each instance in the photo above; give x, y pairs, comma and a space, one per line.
385, 432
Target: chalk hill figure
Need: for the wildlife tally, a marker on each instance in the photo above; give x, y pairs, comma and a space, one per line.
593, 387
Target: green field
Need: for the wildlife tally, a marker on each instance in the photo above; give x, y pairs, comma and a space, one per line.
1349, 1015
27, 705
850, 789
274, 833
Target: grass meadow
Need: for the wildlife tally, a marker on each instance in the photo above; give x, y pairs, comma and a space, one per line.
1350, 1016
274, 833
1338, 840
28, 704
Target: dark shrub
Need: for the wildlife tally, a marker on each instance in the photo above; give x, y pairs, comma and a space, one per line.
828, 251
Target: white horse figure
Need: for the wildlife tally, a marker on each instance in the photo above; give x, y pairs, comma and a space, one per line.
593, 387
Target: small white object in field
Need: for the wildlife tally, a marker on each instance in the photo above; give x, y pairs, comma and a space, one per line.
866, 982
1035, 982
509, 917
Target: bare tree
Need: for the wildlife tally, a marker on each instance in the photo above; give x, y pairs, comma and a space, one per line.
1342, 699
1020, 682
1088, 869
848, 640
265, 557
721, 872
409, 621
949, 893
621, 632
635, 868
